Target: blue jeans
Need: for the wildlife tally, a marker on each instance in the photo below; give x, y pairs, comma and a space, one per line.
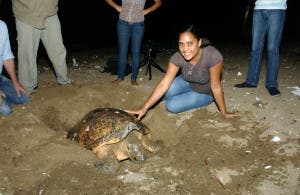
8, 89
133, 32
267, 24
181, 97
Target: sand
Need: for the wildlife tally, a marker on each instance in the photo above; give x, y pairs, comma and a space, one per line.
198, 151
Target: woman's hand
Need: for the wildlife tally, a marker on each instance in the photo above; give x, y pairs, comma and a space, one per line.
118, 8
157, 4
140, 113
230, 115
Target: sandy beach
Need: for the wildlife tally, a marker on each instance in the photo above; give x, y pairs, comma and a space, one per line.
198, 151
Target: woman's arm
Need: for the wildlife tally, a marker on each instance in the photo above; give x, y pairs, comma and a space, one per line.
216, 87
157, 4
158, 91
114, 5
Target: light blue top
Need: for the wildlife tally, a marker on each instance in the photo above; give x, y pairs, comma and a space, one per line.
5, 51
270, 4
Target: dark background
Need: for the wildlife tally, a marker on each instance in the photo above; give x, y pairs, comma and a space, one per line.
91, 24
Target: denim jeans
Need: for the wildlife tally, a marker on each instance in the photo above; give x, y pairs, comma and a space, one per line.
267, 24
181, 97
129, 32
8, 89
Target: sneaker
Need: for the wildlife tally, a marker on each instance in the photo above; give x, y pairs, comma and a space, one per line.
274, 91
65, 82
244, 85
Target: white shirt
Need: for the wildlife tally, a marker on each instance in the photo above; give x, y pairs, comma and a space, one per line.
270, 4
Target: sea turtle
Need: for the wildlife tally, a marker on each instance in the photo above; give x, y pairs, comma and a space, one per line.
104, 129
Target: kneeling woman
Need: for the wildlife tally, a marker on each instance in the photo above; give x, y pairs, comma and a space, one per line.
199, 83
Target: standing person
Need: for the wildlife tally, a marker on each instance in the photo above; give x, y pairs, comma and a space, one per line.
37, 20
130, 27
268, 22
11, 91
199, 83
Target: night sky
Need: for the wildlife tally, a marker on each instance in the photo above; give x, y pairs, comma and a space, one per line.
91, 24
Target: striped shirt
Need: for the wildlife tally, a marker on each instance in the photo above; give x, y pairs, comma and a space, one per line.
270, 4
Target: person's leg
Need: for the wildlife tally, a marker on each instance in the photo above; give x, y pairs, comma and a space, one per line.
123, 30
276, 20
187, 101
7, 88
181, 97
52, 39
137, 34
258, 40
5, 107
259, 27
178, 86
28, 42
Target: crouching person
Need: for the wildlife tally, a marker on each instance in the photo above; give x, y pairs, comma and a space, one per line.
11, 91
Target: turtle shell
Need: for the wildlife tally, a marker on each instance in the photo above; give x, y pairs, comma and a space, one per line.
105, 126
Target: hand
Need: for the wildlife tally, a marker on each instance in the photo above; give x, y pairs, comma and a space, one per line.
119, 9
19, 88
1, 95
231, 115
140, 113
145, 12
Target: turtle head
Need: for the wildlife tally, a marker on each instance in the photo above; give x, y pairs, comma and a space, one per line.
72, 135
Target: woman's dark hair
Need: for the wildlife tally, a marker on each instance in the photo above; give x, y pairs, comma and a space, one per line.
196, 32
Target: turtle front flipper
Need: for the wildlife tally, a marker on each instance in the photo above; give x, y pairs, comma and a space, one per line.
145, 140
124, 150
120, 150
147, 143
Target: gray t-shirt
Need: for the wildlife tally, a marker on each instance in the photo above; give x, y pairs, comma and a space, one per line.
198, 74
